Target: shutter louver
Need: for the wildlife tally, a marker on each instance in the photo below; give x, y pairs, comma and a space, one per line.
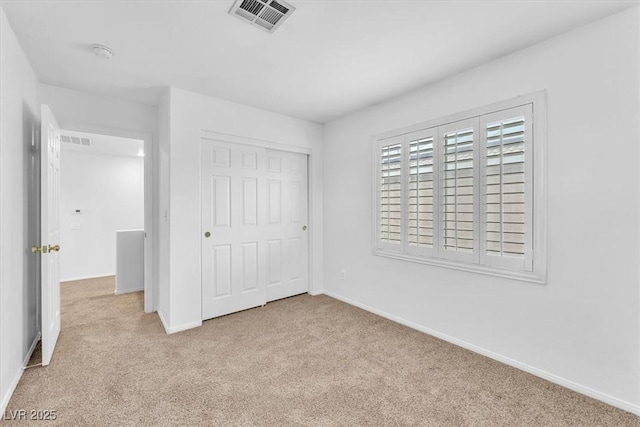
457, 191
421, 174
390, 193
505, 188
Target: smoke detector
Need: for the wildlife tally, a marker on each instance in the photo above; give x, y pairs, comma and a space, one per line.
265, 14
102, 51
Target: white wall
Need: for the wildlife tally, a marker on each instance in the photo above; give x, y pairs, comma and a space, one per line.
189, 114
109, 191
72, 107
583, 326
19, 214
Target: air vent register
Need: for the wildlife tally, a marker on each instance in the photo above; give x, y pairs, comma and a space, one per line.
265, 14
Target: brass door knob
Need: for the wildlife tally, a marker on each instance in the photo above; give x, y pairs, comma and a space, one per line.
54, 248
36, 249
207, 234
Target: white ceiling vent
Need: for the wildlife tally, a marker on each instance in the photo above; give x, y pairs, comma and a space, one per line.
265, 14
76, 140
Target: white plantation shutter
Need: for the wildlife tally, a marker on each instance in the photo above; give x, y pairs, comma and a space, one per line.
507, 183
421, 188
460, 193
458, 190
390, 210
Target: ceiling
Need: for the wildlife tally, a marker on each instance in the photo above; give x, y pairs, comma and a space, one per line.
329, 58
104, 145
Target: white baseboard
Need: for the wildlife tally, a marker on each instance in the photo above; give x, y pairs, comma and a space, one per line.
128, 291
75, 279
315, 293
603, 397
164, 323
179, 328
16, 379
31, 349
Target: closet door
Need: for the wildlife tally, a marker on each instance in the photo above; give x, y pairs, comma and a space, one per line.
255, 245
287, 221
234, 197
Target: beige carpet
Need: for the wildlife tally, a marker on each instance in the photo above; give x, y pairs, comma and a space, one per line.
299, 361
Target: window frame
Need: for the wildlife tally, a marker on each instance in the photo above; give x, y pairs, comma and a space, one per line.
536, 208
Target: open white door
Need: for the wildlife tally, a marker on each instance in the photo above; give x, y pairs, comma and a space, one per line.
50, 223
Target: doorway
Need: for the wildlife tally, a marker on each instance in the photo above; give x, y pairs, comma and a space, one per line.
102, 209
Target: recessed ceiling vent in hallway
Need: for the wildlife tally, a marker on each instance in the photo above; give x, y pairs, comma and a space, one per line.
76, 140
265, 14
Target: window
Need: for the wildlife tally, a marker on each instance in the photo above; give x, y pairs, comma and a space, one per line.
460, 192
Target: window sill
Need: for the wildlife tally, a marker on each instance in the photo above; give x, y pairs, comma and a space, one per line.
523, 276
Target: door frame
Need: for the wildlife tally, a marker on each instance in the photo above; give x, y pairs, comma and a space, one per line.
150, 287
270, 145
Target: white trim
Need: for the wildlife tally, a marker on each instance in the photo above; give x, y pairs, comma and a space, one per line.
524, 276
255, 142
75, 279
638, 160
579, 388
31, 349
172, 330
164, 323
12, 387
539, 101
530, 98
316, 293
128, 291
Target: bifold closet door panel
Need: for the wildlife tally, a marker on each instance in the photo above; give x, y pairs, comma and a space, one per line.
287, 232
233, 238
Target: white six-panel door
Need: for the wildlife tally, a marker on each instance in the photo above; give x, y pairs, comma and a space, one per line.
50, 232
287, 241
254, 209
